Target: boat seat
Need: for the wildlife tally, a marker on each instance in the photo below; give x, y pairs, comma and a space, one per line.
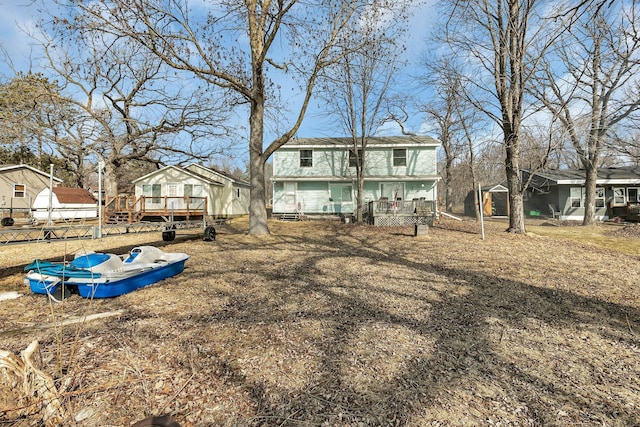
98, 263
145, 254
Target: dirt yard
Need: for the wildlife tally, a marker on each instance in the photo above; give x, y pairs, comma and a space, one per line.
330, 324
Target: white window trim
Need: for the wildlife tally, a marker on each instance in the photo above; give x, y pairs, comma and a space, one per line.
572, 198
23, 191
393, 157
305, 158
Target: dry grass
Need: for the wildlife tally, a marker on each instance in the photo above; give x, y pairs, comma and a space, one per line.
334, 324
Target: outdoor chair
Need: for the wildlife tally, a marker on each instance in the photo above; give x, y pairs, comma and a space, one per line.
555, 213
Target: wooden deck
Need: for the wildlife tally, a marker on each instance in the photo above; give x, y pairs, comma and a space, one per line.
129, 209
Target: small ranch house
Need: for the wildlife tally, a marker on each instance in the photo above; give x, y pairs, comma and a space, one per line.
19, 186
560, 193
317, 175
193, 188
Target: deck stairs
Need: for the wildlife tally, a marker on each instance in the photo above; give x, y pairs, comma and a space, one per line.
291, 216
123, 218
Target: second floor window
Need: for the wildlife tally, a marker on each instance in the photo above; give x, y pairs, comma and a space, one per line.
399, 157
306, 158
352, 158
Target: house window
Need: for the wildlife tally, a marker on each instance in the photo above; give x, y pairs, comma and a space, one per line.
193, 190
172, 189
600, 197
306, 158
619, 196
341, 198
633, 194
392, 190
576, 197
352, 158
399, 157
238, 193
19, 191
152, 190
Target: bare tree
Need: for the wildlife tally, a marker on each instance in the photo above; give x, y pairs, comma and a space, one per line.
29, 114
451, 117
242, 47
593, 79
359, 85
505, 39
131, 109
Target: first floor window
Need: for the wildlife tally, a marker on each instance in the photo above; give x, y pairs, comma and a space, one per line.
392, 190
152, 190
633, 194
619, 197
576, 197
19, 191
600, 197
172, 189
306, 158
341, 193
399, 157
193, 190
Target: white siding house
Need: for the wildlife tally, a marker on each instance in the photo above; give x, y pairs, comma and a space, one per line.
233, 197
181, 188
314, 175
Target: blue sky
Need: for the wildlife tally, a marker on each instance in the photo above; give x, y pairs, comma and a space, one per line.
20, 15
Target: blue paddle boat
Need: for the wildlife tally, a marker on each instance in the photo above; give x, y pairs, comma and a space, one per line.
103, 275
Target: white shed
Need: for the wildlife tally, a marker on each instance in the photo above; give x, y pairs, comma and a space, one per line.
66, 203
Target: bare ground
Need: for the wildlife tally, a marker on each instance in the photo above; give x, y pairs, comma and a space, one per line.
323, 323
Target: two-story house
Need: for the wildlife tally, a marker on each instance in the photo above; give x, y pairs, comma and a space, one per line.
318, 176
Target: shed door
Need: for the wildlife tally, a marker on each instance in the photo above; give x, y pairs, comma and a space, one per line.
486, 204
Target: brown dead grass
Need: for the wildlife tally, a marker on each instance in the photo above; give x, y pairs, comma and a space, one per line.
322, 323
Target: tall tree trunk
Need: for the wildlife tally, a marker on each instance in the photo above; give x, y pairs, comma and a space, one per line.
360, 198
591, 176
110, 180
512, 167
257, 204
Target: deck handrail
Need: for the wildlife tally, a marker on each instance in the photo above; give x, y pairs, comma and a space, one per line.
404, 207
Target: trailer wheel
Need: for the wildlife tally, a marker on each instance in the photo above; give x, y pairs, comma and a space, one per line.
209, 234
7, 222
169, 234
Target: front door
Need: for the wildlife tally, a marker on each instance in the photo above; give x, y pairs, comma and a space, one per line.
289, 197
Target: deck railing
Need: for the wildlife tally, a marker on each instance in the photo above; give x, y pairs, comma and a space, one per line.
136, 208
398, 207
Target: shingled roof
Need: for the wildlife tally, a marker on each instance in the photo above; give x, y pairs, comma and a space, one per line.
69, 195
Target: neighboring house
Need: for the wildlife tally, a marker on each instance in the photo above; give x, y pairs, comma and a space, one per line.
317, 175
19, 186
66, 203
175, 188
495, 201
561, 193
233, 199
